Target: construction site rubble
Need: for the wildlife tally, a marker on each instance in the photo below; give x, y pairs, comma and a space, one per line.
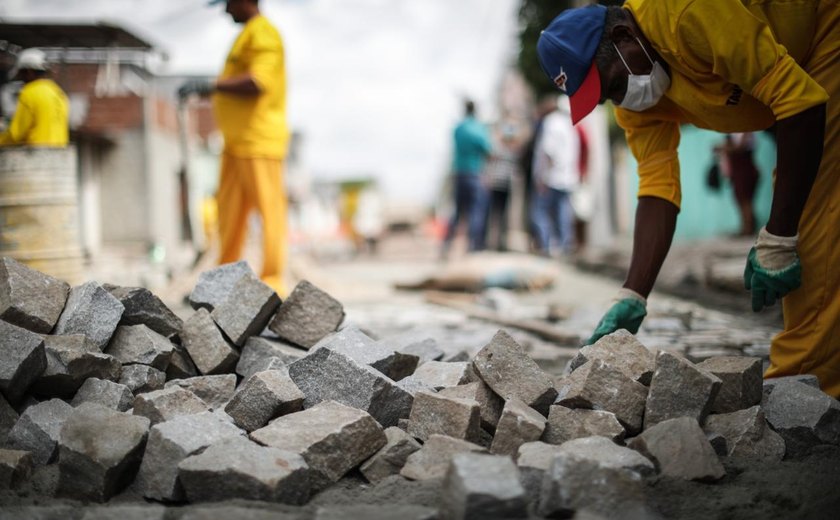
275, 401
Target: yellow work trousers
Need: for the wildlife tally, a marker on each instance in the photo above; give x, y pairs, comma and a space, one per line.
245, 184
810, 341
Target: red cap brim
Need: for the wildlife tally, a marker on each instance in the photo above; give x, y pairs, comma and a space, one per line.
587, 96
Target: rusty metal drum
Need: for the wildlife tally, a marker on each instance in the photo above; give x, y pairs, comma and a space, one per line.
39, 210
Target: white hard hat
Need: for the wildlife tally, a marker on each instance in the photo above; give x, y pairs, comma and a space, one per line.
32, 59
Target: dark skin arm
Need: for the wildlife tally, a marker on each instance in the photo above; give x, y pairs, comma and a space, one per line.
800, 144
243, 85
656, 220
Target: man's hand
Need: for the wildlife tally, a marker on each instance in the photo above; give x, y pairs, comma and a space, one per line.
199, 87
773, 269
627, 312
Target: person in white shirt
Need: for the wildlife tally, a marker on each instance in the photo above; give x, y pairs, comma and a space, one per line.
556, 176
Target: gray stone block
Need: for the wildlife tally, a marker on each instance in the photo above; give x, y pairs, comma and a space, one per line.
142, 378
72, 360
599, 386
746, 435
247, 310
565, 424
172, 441
510, 372
15, 468
360, 347
325, 375
376, 512
259, 352
111, 395
572, 484
125, 512
92, 311
166, 404
8, 418
206, 345
138, 344
22, 360
38, 430
216, 390
331, 437
240, 469
390, 459
606, 453
214, 286
442, 374
483, 486
436, 414
679, 389
142, 307
230, 512
741, 382
533, 460
519, 424
307, 315
803, 415
28, 298
263, 397
490, 403
769, 384
426, 349
680, 449
623, 351
432, 460
181, 365
99, 452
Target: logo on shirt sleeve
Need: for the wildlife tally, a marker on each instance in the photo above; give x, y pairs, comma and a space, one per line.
735, 97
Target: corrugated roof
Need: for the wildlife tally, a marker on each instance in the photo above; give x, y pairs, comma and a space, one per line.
71, 35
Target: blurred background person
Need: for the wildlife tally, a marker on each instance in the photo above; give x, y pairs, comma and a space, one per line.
472, 148
736, 160
556, 177
502, 168
249, 100
41, 116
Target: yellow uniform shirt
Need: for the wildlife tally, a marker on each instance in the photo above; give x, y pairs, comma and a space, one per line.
40, 118
255, 126
733, 66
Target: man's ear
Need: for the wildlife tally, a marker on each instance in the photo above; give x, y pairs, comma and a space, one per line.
621, 32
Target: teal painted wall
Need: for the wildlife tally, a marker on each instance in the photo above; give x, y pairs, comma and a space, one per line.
706, 213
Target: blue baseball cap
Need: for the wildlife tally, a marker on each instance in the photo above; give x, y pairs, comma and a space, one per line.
566, 50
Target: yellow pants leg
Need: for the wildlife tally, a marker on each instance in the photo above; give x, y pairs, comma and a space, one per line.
253, 183
810, 341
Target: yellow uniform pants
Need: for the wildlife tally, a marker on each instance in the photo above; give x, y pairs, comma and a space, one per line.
249, 183
810, 341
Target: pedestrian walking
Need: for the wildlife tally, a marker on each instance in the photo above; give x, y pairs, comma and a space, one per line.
472, 148
249, 101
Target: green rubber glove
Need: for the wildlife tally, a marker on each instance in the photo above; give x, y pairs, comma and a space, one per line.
627, 312
773, 269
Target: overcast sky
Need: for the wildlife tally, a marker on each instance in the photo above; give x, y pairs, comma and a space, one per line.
374, 85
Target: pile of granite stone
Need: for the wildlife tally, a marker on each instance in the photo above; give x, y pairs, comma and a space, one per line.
254, 398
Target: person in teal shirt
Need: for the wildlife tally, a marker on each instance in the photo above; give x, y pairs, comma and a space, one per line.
472, 148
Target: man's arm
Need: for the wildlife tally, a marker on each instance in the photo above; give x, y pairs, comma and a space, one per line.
656, 220
19, 127
800, 144
243, 85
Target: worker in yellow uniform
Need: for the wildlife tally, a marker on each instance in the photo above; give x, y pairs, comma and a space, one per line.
729, 66
41, 115
249, 99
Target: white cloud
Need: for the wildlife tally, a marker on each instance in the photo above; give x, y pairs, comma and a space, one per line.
374, 85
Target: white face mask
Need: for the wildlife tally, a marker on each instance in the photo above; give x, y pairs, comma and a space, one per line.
644, 91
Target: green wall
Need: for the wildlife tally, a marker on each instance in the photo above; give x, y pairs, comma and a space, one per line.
706, 213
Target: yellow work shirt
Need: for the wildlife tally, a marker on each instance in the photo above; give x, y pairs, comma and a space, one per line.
734, 68
40, 118
255, 126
